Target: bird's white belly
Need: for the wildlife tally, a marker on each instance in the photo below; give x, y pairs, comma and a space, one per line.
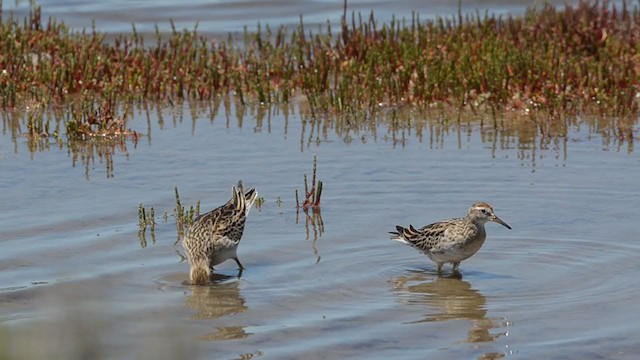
456, 253
225, 249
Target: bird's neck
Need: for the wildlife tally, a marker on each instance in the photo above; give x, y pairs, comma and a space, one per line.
479, 224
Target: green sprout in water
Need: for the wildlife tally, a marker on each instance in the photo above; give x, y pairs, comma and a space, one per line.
184, 218
143, 222
259, 202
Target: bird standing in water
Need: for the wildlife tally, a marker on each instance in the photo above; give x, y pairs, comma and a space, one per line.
214, 237
452, 240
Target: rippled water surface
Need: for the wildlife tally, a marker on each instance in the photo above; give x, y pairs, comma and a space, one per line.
224, 16
78, 279
563, 283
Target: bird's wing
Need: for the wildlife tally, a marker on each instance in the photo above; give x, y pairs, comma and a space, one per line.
431, 235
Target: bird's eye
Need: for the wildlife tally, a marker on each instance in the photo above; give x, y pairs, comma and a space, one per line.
484, 211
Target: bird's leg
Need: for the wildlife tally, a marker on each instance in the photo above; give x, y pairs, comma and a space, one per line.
456, 265
455, 274
239, 264
440, 267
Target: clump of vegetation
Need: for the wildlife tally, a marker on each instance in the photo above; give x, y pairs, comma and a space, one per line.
184, 218
312, 197
313, 221
143, 222
89, 132
259, 202
101, 123
581, 58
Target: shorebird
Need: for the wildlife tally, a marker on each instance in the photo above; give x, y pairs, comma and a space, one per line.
451, 240
214, 237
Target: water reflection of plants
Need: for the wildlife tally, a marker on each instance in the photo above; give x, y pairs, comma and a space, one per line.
86, 153
521, 79
89, 133
531, 136
313, 222
314, 229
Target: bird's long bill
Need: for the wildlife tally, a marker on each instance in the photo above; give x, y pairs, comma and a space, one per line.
497, 219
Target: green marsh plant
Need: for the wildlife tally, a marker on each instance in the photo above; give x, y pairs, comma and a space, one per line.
145, 220
581, 58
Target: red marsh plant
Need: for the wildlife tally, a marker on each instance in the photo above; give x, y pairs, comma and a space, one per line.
582, 58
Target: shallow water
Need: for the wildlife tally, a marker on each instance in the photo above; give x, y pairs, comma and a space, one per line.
76, 277
222, 17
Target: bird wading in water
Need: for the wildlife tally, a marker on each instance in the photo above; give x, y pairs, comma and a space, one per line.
452, 240
214, 236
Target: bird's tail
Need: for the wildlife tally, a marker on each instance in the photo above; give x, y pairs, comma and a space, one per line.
243, 201
249, 198
404, 235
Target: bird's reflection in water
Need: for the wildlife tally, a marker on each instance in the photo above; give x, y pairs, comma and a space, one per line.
449, 297
219, 299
